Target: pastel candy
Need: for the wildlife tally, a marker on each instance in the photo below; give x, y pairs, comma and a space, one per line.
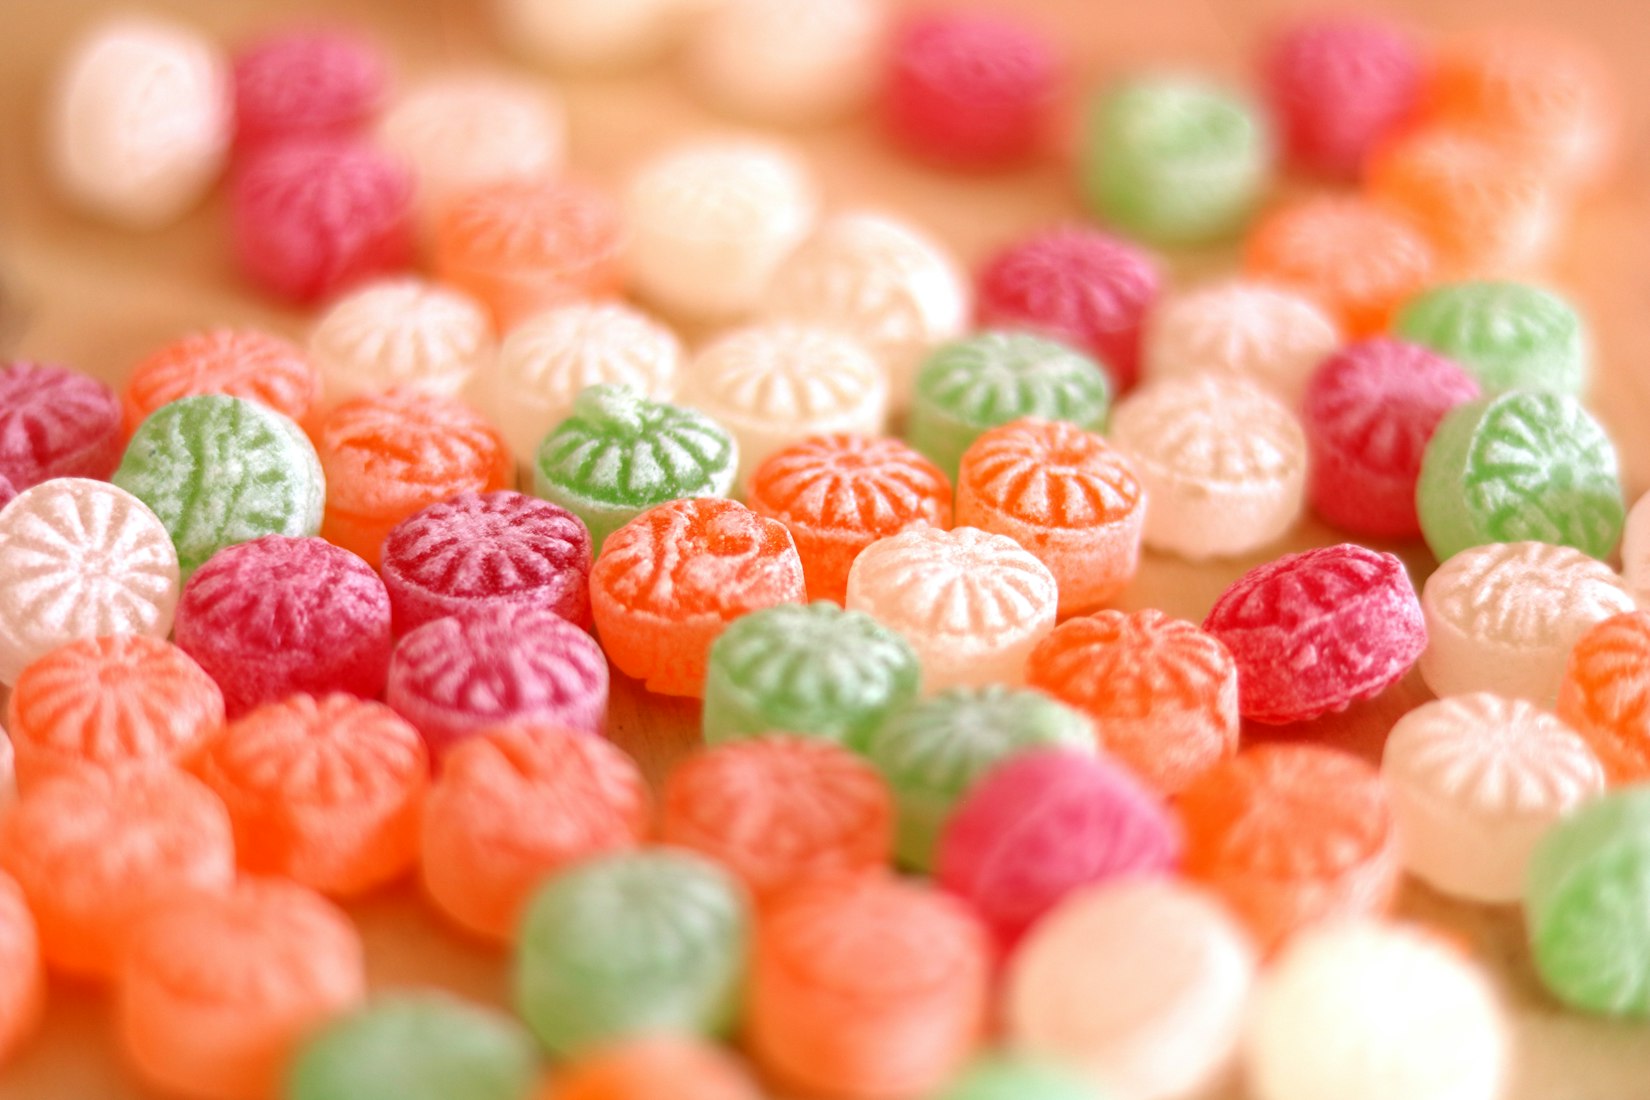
400, 332
573, 34
55, 423
653, 1067
1603, 695
311, 82
1018, 1077
243, 362
1511, 336
1635, 550
22, 978
787, 61
1269, 335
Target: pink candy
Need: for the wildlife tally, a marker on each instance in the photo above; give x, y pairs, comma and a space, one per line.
55, 422
307, 84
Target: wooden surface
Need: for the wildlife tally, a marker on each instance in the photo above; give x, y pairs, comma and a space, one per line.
98, 299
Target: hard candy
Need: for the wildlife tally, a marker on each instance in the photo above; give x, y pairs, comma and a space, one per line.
55, 422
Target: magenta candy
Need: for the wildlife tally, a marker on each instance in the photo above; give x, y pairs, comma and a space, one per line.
278, 616
55, 422
307, 84
476, 551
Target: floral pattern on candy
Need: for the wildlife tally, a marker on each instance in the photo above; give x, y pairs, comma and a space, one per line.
22, 977
234, 362
400, 332
1605, 695
307, 83
1264, 334
652, 1067
1511, 336
55, 423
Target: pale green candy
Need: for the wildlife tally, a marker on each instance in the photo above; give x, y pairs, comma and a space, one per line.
1520, 467
933, 751
223, 470
642, 941
1510, 336
813, 669
1018, 1077
416, 1046
1175, 159
971, 385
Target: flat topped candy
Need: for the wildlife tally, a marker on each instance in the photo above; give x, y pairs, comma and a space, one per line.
400, 332
55, 422
1605, 694
1269, 335
22, 978
788, 62
1511, 336
239, 362
310, 82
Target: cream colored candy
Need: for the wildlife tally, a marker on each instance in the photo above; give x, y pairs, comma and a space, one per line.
789, 61
972, 604
1503, 617
1269, 335
1223, 463
1141, 984
139, 121
1475, 780
1635, 551
589, 33
400, 332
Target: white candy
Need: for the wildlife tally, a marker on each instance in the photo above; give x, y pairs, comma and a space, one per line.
139, 121
1635, 551
1270, 336
400, 332
590, 33
788, 61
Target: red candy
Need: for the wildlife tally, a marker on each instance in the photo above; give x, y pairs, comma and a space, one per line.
1316, 631
276, 616
306, 84
478, 550
7, 491
1369, 411
55, 422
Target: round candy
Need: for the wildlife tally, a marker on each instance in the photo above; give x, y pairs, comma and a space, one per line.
1369, 412
1140, 984
1503, 617
1291, 835
22, 978
1511, 336
242, 362
1604, 696
82, 559
1264, 334
8, 492
653, 1068
1223, 464
669, 581
1163, 694
512, 807
278, 615
787, 61
991, 378
972, 604
1081, 286
1521, 466
55, 423
220, 470
631, 943
1635, 550
506, 662
576, 34
1018, 1077
217, 990
400, 332
322, 82
1475, 781
811, 669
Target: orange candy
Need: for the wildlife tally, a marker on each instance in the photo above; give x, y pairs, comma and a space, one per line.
22, 978
1605, 695
234, 362
658, 1067
323, 791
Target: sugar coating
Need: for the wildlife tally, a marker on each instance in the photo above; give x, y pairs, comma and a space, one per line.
138, 120
1511, 336
788, 61
574, 34
1503, 617
652, 1067
1018, 1077
1603, 695
631, 943
82, 559
400, 332
244, 362
55, 422
313, 82
1222, 461
1265, 334
1140, 985
216, 991
712, 221
1475, 780
22, 977
972, 604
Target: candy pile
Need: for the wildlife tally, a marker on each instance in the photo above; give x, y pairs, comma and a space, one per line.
285, 623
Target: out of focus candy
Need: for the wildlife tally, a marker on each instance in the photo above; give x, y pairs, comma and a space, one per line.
1511, 336
55, 423
235, 362
303, 83
787, 61
1603, 695
22, 978
1018, 1077
1263, 334
651, 1068
400, 332
579, 34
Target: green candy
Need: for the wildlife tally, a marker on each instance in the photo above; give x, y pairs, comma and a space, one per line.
1175, 159
813, 669
416, 1046
1510, 336
971, 385
1018, 1077
637, 942
1587, 905
933, 751
222, 470
1518, 467
620, 454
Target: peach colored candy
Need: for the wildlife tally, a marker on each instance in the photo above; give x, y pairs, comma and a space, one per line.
217, 990
655, 1067
244, 362
1270, 335
95, 852
1605, 695
1635, 550
512, 806
22, 978
1065, 495
786, 62
400, 332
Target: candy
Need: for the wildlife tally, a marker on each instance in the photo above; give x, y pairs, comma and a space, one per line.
513, 806
991, 378
305, 83
631, 943
575, 34
1635, 550
1602, 695
866, 986
1065, 495
110, 704
812, 669
1163, 694
95, 852
787, 61
1017, 1077
55, 423
400, 332
8, 492
1140, 984
1520, 466
22, 979
1043, 824
1367, 1011
972, 604
242, 362
505, 662
971, 90
1369, 412
1503, 617
1291, 835
1511, 336
138, 121
81, 559
1238, 329
669, 581
390, 455
652, 1068
1081, 286
1222, 461
216, 991
712, 222
778, 811
1475, 781
619, 454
